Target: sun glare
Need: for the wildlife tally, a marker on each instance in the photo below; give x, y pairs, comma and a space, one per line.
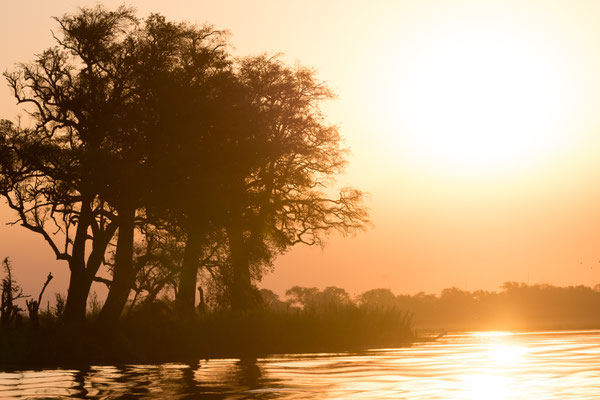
487, 387
480, 95
503, 354
492, 334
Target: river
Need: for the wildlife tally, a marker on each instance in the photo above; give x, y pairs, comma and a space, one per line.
477, 365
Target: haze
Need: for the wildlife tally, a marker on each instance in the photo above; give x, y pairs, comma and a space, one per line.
471, 124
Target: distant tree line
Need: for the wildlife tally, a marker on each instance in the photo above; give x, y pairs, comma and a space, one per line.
150, 150
515, 306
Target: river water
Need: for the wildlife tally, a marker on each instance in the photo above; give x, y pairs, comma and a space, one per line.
479, 365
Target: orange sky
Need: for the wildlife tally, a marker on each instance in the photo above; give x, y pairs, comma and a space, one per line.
472, 124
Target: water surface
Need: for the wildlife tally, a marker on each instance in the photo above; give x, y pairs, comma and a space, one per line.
490, 366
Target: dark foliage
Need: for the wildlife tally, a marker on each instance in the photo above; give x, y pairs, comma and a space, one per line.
275, 327
11, 292
150, 131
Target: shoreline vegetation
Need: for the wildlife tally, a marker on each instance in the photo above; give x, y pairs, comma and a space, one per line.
152, 334
249, 336
309, 320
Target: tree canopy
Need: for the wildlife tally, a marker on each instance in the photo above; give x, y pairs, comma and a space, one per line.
151, 131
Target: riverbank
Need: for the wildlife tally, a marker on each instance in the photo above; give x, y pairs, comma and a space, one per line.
155, 337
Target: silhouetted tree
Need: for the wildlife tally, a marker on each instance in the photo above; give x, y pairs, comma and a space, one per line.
264, 162
33, 306
281, 201
90, 158
149, 126
11, 292
270, 300
183, 70
378, 298
39, 179
64, 168
301, 296
312, 299
332, 298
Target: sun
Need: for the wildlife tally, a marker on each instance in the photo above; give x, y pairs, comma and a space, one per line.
473, 95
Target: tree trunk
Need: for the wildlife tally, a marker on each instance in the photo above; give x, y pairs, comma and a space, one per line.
77, 294
186, 293
82, 277
241, 293
123, 273
79, 283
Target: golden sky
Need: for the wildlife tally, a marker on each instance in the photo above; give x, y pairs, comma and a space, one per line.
472, 124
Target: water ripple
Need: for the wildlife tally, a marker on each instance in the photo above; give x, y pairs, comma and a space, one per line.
547, 365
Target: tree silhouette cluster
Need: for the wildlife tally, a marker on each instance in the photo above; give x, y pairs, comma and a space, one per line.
156, 153
515, 306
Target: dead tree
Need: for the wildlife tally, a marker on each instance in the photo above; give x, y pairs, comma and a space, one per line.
10, 293
33, 306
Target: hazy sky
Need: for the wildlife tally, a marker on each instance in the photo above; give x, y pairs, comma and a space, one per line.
472, 124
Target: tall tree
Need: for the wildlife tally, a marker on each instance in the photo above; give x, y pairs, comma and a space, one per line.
196, 103
55, 172
109, 130
280, 199
183, 73
270, 164
40, 181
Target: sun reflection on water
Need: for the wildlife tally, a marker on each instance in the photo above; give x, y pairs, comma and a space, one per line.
506, 354
475, 366
491, 334
495, 368
486, 387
